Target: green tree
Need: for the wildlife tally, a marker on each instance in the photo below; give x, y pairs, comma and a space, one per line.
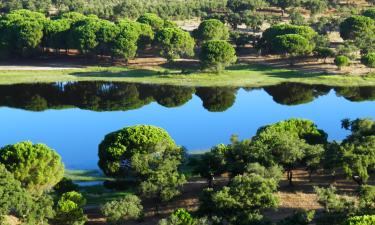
123, 209
299, 217
369, 13
323, 53
367, 200
160, 177
294, 45
23, 32
316, 6
243, 5
36, 166
355, 26
69, 209
212, 164
284, 148
211, 29
117, 148
342, 61
175, 43
268, 41
360, 220
336, 208
179, 217
368, 60
153, 20
125, 43
284, 4
242, 201
217, 55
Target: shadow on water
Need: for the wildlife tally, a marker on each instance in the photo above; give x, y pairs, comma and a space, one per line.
118, 96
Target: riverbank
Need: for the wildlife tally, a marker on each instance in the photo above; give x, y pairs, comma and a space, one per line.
243, 75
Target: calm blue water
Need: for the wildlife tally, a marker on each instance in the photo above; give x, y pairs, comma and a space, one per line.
75, 133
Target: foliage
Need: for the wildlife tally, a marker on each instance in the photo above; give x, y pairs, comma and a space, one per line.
355, 26
367, 199
293, 44
126, 208
243, 5
216, 55
300, 217
65, 185
36, 166
158, 172
369, 60
269, 44
117, 148
175, 43
360, 220
336, 208
151, 19
369, 13
324, 53
316, 6
69, 209
180, 217
211, 29
342, 61
242, 200
212, 163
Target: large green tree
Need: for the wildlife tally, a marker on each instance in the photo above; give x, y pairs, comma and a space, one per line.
36, 166
117, 148
175, 43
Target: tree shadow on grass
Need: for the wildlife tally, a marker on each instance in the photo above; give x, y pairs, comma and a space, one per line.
289, 72
121, 73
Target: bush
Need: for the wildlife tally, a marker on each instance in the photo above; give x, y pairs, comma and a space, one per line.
216, 55
293, 44
126, 208
360, 220
175, 43
342, 61
369, 13
211, 29
36, 166
270, 35
69, 209
355, 26
323, 53
117, 148
65, 185
151, 19
368, 60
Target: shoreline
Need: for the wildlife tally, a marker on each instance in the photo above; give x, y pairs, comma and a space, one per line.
241, 75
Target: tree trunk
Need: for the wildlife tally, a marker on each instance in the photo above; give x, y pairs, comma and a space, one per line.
290, 177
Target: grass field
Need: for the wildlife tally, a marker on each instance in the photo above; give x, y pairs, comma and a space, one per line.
239, 75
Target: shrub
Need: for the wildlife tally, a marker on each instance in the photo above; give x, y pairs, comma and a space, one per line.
65, 185
212, 29
117, 148
175, 43
293, 44
355, 26
342, 61
360, 220
369, 13
216, 55
323, 53
126, 208
368, 60
151, 19
69, 209
36, 166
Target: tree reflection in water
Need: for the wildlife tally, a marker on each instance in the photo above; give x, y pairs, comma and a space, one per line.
113, 96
